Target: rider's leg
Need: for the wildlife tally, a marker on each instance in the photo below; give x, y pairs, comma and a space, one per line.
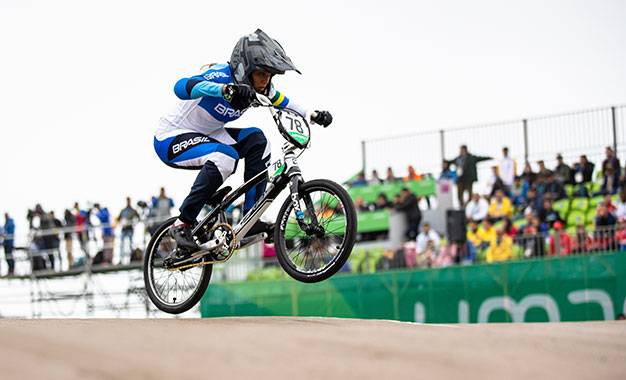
253, 146
216, 162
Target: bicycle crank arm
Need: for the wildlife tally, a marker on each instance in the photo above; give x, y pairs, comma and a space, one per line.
248, 241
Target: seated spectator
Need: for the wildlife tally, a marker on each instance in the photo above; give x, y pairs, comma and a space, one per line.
375, 180
360, 204
500, 248
563, 172
472, 235
519, 192
583, 242
486, 232
604, 234
620, 207
496, 183
412, 175
532, 240
553, 188
526, 228
560, 241
509, 228
382, 202
446, 172
390, 176
427, 235
610, 206
425, 258
533, 202
604, 219
477, 208
548, 215
448, 255
583, 170
359, 180
620, 234
500, 207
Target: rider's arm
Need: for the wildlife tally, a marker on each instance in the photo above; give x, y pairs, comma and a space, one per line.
197, 87
279, 100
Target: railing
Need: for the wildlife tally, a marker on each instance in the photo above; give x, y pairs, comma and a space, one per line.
531, 139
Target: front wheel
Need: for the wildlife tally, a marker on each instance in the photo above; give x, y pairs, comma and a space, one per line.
316, 254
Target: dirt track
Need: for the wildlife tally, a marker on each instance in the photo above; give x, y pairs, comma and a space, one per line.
316, 348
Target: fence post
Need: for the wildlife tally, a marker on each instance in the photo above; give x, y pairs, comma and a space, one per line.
525, 123
614, 129
363, 162
442, 143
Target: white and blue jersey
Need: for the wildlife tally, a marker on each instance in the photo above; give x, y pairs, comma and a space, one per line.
194, 136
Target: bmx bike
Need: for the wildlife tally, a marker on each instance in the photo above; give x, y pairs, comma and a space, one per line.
314, 232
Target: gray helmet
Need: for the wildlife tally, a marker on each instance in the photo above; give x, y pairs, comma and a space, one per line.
258, 51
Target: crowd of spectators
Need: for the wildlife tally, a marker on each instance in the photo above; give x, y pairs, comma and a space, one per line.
516, 216
87, 233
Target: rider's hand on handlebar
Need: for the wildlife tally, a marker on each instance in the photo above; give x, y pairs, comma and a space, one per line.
323, 118
240, 96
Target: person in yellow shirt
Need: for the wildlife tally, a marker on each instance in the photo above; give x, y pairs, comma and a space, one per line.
501, 248
486, 232
472, 234
500, 207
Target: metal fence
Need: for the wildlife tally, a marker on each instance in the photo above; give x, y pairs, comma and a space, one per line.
530, 139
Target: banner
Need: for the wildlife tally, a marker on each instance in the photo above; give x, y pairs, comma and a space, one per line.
576, 288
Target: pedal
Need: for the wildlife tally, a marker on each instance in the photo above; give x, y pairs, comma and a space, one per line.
249, 240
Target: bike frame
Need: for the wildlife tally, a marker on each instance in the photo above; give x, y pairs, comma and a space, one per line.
287, 173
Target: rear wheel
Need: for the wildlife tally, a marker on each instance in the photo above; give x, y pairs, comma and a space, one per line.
173, 291
310, 256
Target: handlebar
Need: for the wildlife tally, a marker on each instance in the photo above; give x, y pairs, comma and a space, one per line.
264, 101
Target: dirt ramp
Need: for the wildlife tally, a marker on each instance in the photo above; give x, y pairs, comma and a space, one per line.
313, 348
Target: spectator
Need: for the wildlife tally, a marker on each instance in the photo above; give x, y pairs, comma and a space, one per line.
473, 236
620, 207
407, 204
446, 172
500, 207
160, 210
81, 228
506, 168
548, 215
583, 171
103, 215
375, 180
500, 248
554, 188
127, 219
69, 226
390, 178
610, 206
8, 233
360, 204
54, 243
611, 172
359, 180
533, 202
48, 240
543, 171
466, 172
604, 219
508, 228
560, 242
583, 241
477, 208
486, 232
528, 175
427, 235
381, 202
532, 241
412, 175
563, 172
519, 191
495, 183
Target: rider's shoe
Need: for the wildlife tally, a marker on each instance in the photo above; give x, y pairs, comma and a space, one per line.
260, 227
184, 238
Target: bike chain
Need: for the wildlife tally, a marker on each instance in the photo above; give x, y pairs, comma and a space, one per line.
231, 249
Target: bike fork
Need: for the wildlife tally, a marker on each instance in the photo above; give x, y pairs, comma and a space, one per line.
294, 188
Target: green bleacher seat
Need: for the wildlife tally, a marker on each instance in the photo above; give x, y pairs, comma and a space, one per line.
595, 201
562, 206
615, 198
580, 204
575, 218
519, 223
571, 231
591, 216
593, 187
569, 190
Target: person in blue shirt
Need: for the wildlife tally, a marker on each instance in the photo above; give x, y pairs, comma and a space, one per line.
8, 232
103, 215
194, 136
